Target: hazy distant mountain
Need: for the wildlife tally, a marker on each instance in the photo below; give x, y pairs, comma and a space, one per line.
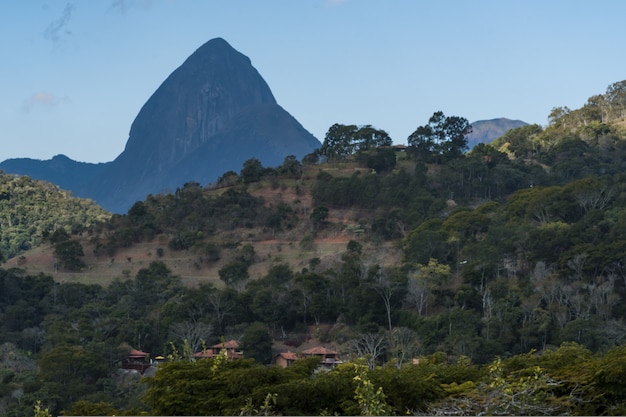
60, 170
485, 131
209, 116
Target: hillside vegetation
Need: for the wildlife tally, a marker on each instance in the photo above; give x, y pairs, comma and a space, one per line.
30, 210
501, 270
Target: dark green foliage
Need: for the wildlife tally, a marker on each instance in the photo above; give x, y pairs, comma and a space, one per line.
23, 305
318, 216
519, 141
68, 253
252, 171
427, 241
235, 274
567, 380
89, 408
342, 141
442, 139
358, 190
188, 216
338, 142
380, 160
291, 167
212, 252
256, 343
156, 283
281, 217
58, 236
228, 179
71, 371
388, 225
183, 240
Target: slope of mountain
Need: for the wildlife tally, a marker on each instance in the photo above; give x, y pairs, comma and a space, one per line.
485, 131
210, 115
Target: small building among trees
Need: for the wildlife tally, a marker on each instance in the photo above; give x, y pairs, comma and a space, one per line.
232, 349
285, 359
137, 360
328, 357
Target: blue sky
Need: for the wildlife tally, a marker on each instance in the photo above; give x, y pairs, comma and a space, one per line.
75, 73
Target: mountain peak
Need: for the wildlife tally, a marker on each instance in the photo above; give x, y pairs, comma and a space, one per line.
486, 131
215, 53
217, 44
196, 113
209, 116
214, 84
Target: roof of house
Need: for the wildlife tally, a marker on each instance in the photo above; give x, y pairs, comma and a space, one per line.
134, 353
290, 356
319, 350
231, 344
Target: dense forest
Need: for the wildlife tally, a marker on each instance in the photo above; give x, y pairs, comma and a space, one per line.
508, 298
30, 210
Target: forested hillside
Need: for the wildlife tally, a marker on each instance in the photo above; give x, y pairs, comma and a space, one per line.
500, 290
30, 210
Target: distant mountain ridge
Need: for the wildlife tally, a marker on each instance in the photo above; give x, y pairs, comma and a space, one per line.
209, 116
60, 170
486, 131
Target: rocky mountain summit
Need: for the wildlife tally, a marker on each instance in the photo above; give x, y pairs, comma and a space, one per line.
485, 131
209, 116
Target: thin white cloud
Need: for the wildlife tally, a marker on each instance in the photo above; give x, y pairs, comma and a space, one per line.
58, 27
42, 99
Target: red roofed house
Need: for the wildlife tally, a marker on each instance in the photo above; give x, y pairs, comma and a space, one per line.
137, 360
285, 359
232, 349
203, 354
328, 357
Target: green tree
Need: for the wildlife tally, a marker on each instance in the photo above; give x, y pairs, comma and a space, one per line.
616, 99
71, 371
235, 274
423, 281
380, 160
519, 142
252, 171
372, 401
314, 295
228, 179
318, 216
291, 167
367, 137
40, 411
427, 241
342, 141
338, 142
89, 408
442, 139
59, 235
256, 343
69, 252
